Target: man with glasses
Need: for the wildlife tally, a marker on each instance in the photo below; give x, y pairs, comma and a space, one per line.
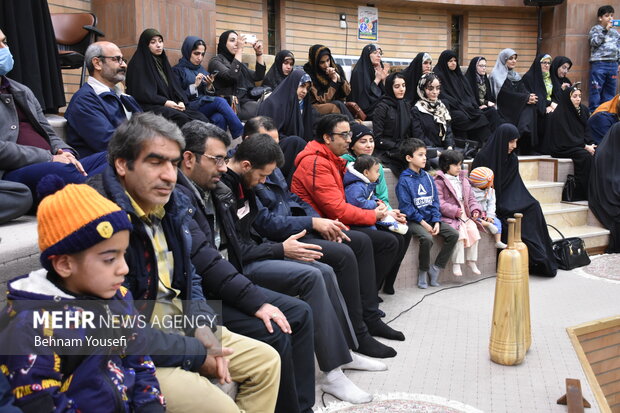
99, 106
29, 146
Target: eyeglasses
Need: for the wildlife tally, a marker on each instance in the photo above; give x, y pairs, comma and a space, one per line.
481, 65
545, 63
219, 160
343, 135
117, 59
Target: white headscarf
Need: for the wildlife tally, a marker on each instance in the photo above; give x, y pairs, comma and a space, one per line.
500, 71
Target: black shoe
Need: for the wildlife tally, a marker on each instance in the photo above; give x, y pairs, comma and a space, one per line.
380, 329
370, 347
380, 299
381, 313
388, 289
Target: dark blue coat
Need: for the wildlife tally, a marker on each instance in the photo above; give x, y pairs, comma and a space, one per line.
168, 350
62, 378
418, 197
600, 123
358, 191
284, 213
92, 118
221, 280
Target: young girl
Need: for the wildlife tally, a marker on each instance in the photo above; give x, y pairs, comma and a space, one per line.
481, 180
459, 209
360, 182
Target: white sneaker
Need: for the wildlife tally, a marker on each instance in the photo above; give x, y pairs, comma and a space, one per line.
500, 245
360, 362
338, 385
456, 270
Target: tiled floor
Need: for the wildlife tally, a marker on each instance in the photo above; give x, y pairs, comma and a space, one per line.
446, 351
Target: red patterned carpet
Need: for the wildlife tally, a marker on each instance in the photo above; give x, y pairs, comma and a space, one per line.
402, 403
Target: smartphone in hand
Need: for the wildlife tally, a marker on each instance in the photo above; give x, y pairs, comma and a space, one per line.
249, 38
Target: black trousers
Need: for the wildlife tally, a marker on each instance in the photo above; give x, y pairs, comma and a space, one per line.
296, 350
387, 247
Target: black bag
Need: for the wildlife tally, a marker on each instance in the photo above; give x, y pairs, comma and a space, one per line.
259, 91
569, 252
568, 192
467, 147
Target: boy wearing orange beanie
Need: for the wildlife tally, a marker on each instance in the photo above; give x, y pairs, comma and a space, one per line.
53, 361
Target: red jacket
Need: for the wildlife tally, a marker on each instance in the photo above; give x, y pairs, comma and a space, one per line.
318, 181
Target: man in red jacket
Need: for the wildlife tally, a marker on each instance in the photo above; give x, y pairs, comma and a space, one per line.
318, 181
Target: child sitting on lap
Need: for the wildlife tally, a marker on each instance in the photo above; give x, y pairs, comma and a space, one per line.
360, 182
481, 180
459, 209
77, 366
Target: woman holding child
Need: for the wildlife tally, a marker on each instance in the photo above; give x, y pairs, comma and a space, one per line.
512, 197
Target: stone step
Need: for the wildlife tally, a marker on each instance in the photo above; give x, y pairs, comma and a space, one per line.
565, 168
564, 215
545, 192
595, 238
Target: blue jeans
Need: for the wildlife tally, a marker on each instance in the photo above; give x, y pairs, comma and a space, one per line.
603, 79
31, 175
221, 114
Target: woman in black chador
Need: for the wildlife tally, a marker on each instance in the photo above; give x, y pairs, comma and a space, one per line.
151, 81
538, 80
476, 76
604, 193
567, 136
420, 65
560, 66
514, 103
367, 80
289, 106
512, 196
282, 66
468, 121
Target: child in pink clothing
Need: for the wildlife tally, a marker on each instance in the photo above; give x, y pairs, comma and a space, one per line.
459, 209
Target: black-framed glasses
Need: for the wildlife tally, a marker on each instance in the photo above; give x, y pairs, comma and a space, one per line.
343, 135
117, 59
219, 160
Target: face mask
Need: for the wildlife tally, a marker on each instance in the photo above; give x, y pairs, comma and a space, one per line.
6, 61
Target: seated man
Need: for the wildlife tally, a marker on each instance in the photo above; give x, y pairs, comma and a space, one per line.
144, 153
286, 214
603, 118
15, 199
282, 321
29, 147
99, 106
289, 267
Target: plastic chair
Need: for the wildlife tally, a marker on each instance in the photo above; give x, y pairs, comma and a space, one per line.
74, 33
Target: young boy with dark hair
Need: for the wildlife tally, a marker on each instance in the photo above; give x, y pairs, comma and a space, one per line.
419, 200
604, 57
82, 238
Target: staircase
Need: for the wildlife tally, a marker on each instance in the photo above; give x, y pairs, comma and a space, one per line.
544, 177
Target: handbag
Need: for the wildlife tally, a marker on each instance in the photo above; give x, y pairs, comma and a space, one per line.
356, 111
569, 252
258, 92
467, 147
568, 191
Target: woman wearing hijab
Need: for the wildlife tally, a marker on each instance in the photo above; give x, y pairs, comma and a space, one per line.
514, 103
420, 65
560, 66
603, 118
430, 117
198, 86
480, 86
282, 67
329, 84
538, 80
367, 79
512, 196
604, 191
568, 137
468, 121
289, 106
151, 81
233, 78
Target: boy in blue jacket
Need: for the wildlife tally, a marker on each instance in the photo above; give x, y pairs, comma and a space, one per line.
418, 199
72, 366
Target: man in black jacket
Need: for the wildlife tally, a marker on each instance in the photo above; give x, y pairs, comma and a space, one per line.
143, 155
204, 163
